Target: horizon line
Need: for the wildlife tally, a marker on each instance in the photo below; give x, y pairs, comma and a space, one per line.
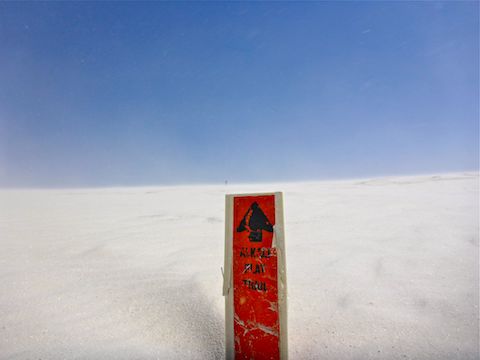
465, 173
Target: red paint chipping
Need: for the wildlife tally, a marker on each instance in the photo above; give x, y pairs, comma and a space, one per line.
255, 285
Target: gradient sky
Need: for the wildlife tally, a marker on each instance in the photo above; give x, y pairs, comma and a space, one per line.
98, 94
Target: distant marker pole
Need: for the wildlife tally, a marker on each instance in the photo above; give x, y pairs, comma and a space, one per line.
255, 284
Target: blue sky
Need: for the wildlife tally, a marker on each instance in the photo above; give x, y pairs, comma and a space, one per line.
99, 94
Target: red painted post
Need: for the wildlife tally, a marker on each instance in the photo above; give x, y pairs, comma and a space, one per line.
255, 281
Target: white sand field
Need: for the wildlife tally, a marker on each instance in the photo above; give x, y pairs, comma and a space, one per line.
377, 269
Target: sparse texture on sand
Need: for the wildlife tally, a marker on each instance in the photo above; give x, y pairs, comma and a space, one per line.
377, 269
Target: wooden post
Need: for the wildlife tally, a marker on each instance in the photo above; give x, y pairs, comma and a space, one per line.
255, 284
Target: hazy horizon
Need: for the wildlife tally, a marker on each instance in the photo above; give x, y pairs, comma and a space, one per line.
233, 184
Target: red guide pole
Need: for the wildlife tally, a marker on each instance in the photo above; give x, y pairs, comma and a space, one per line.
255, 280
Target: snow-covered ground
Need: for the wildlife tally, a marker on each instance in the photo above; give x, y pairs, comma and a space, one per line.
377, 269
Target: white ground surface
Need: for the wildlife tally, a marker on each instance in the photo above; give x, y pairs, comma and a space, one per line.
377, 269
